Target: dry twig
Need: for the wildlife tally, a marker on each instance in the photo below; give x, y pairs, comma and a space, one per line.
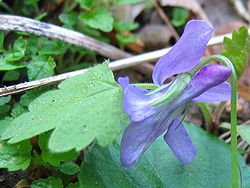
165, 19
241, 10
18, 23
193, 5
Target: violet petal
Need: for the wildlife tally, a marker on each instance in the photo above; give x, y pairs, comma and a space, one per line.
186, 53
209, 76
218, 93
179, 142
135, 103
138, 136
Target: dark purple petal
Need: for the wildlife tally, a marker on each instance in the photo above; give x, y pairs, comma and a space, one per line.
209, 76
218, 93
138, 136
179, 142
186, 53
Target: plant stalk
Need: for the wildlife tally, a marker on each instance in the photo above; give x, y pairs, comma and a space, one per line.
206, 114
234, 150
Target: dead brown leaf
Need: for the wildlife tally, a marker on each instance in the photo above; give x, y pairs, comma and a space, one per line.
22, 184
244, 83
127, 12
244, 91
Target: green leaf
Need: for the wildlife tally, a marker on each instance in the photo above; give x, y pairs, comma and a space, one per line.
54, 158
95, 34
32, 2
41, 16
159, 167
75, 185
244, 132
50, 182
32, 46
123, 39
69, 18
40, 67
5, 100
31, 95
237, 49
4, 124
69, 168
179, 16
124, 26
11, 75
51, 47
18, 109
18, 51
20, 45
22, 106
126, 2
4, 65
1, 42
99, 18
225, 125
27, 7
87, 4
15, 156
4, 109
77, 111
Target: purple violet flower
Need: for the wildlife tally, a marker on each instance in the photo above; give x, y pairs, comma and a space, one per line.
149, 122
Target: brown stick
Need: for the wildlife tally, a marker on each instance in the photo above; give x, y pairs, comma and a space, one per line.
165, 19
18, 23
241, 10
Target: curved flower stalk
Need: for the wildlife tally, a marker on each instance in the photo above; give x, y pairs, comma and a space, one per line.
151, 118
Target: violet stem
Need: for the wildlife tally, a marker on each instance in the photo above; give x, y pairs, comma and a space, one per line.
224, 60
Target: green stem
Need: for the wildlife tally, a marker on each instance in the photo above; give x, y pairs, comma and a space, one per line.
218, 112
206, 113
233, 115
146, 86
